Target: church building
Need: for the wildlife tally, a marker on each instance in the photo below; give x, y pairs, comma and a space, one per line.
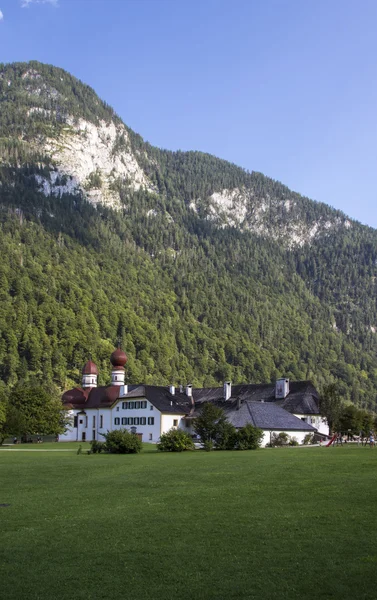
150, 410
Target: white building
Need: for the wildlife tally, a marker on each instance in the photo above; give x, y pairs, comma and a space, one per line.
150, 411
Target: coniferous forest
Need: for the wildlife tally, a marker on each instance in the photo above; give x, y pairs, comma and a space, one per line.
189, 298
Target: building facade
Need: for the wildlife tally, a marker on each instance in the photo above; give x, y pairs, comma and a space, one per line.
151, 411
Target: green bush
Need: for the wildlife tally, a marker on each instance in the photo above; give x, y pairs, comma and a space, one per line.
248, 438
97, 447
121, 441
208, 445
279, 439
175, 440
308, 439
226, 436
293, 442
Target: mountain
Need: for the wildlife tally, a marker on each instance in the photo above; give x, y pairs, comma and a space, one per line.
204, 271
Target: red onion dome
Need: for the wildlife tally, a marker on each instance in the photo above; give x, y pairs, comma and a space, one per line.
118, 359
90, 368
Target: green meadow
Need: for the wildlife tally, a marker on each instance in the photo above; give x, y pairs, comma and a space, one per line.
291, 523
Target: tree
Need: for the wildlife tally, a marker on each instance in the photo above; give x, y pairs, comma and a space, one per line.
34, 408
210, 424
175, 440
330, 406
350, 419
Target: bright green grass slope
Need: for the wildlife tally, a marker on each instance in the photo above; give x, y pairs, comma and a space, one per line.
285, 524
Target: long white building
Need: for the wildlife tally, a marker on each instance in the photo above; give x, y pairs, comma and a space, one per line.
152, 410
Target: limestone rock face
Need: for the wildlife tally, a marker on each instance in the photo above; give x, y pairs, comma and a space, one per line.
85, 149
90, 159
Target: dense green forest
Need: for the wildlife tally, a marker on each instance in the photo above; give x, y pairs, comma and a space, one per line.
189, 300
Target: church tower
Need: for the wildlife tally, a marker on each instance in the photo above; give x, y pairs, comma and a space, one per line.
89, 375
118, 359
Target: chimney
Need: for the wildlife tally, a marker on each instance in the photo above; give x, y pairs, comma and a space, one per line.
189, 390
227, 390
281, 388
192, 406
124, 390
172, 389
238, 403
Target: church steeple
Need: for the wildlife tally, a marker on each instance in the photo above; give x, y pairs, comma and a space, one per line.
89, 375
118, 359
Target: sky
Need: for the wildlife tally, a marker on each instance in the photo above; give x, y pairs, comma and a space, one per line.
284, 87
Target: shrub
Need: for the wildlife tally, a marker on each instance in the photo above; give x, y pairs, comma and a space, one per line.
279, 439
121, 441
97, 447
210, 424
226, 436
293, 442
79, 450
208, 445
308, 439
175, 440
248, 438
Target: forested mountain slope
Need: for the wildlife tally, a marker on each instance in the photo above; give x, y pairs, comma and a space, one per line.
204, 271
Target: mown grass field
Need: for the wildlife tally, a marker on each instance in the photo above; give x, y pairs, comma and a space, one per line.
284, 523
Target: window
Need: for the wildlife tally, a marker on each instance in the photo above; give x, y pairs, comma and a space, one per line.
175, 423
187, 423
137, 404
131, 421
117, 408
124, 421
116, 421
124, 405
150, 420
150, 437
132, 404
151, 407
94, 421
136, 421
86, 421
101, 421
143, 421
143, 404
75, 421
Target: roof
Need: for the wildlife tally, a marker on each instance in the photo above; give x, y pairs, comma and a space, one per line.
267, 416
106, 396
302, 398
90, 368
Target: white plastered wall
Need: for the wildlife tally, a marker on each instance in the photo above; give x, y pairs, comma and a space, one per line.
298, 435
316, 421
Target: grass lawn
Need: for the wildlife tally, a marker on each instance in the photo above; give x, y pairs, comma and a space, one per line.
272, 524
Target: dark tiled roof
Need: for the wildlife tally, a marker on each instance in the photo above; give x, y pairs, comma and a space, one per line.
302, 398
267, 416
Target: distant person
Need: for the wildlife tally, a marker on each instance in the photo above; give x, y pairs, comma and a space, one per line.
371, 439
15, 440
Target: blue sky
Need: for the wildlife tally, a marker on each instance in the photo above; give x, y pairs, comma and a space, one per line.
285, 87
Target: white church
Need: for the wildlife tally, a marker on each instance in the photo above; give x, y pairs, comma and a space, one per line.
149, 411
